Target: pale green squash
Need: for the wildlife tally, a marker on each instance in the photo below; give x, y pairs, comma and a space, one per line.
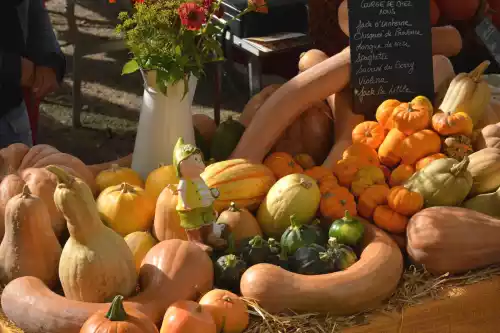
444, 182
488, 204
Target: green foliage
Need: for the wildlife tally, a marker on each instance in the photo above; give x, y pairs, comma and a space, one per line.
158, 41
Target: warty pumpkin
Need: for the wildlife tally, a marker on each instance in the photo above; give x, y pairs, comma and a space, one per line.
403, 201
371, 198
419, 145
342, 293
401, 174
457, 146
488, 137
96, 263
116, 175
294, 194
282, 164
363, 152
167, 224
388, 219
411, 117
444, 182
366, 177
173, 270
187, 317
160, 178
336, 201
484, 166
23, 165
242, 224
468, 93
458, 123
369, 133
345, 170
230, 313
139, 243
390, 151
239, 181
384, 113
29, 246
118, 320
488, 203
423, 162
453, 240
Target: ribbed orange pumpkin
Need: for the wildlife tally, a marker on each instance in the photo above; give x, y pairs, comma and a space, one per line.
401, 174
229, 312
423, 162
239, 181
282, 164
363, 152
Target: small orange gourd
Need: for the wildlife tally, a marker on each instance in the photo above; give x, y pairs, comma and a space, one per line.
384, 113
401, 174
389, 152
328, 184
117, 320
419, 145
405, 202
423, 162
452, 124
335, 202
320, 174
389, 220
187, 317
365, 177
363, 152
411, 117
371, 198
370, 133
346, 169
282, 164
305, 161
229, 311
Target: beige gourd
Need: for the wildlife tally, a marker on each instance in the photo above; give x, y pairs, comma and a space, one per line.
96, 263
469, 93
29, 246
488, 203
484, 166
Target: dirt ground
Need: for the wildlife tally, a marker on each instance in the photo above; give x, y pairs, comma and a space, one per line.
111, 101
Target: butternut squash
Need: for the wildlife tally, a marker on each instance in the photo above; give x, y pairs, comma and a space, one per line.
453, 240
173, 270
30, 246
255, 103
484, 166
364, 285
96, 263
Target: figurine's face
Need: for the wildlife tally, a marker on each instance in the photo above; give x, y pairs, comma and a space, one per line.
192, 167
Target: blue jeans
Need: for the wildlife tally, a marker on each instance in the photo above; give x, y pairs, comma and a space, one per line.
15, 127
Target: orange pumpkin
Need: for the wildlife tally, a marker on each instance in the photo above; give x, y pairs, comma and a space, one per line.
370, 133
385, 111
336, 201
410, 117
305, 161
389, 152
365, 177
387, 173
423, 162
363, 152
229, 311
117, 320
326, 185
187, 317
419, 145
405, 202
346, 169
320, 174
372, 197
282, 164
389, 220
452, 124
401, 174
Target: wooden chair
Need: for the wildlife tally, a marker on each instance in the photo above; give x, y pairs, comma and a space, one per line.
84, 49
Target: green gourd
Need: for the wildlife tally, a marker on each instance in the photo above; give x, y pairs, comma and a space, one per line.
347, 230
443, 182
226, 138
298, 235
488, 204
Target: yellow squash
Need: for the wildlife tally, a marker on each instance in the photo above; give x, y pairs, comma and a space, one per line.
468, 93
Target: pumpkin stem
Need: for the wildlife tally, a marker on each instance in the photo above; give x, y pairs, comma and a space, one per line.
26, 191
460, 167
62, 176
256, 242
126, 188
228, 299
410, 108
479, 71
233, 207
116, 311
115, 167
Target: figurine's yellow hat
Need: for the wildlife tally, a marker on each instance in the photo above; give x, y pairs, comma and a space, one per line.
181, 152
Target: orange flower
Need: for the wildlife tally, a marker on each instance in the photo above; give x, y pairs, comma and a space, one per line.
259, 6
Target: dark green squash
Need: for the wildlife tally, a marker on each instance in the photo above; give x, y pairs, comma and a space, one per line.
255, 251
228, 270
274, 246
298, 235
226, 138
279, 259
321, 235
202, 144
347, 230
312, 260
344, 255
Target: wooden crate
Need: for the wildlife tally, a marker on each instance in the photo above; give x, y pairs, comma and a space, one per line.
471, 309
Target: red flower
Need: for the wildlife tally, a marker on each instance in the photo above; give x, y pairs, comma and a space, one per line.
259, 6
207, 4
192, 15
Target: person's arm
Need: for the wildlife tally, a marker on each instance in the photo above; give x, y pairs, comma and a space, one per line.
43, 48
15, 70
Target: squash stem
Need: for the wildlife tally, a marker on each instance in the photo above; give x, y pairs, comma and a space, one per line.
61, 175
257, 242
332, 242
127, 188
231, 260
115, 167
479, 71
347, 216
294, 221
233, 207
460, 167
116, 311
26, 193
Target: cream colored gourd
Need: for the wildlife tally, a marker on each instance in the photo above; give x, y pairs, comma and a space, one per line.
484, 167
444, 182
96, 263
488, 203
443, 75
469, 93
29, 246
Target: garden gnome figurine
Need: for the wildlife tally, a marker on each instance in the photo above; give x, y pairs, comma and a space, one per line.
195, 199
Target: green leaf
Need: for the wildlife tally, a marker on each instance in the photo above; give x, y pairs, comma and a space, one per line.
130, 67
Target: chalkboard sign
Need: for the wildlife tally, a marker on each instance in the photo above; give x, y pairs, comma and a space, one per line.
391, 52
490, 36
